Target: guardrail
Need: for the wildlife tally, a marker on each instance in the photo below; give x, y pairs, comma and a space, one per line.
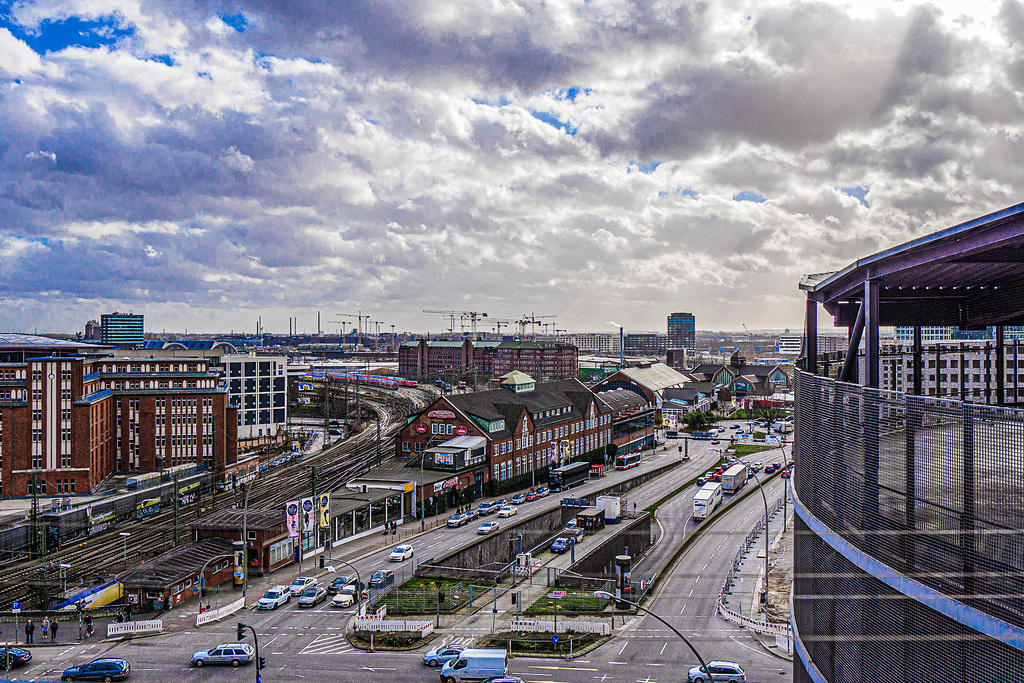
135, 627
780, 631
534, 626
369, 623
220, 612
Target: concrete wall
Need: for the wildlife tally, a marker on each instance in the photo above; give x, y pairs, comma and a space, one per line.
634, 534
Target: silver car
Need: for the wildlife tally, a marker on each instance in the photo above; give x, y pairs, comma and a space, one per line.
730, 672
234, 654
441, 654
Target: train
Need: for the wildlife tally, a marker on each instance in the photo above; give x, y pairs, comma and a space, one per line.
359, 378
137, 482
81, 522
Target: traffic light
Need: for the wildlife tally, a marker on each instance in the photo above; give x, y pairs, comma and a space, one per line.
263, 663
240, 631
440, 597
513, 597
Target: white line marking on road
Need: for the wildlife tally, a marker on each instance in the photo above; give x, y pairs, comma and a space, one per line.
691, 593
682, 610
663, 646
621, 663
623, 647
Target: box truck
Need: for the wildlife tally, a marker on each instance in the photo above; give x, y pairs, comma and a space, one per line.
734, 478
706, 500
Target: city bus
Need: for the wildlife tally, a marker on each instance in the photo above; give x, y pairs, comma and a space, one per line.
567, 476
627, 460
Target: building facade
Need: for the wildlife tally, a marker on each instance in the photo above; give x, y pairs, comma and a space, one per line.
682, 331
258, 387
429, 359
645, 344
593, 342
68, 422
124, 330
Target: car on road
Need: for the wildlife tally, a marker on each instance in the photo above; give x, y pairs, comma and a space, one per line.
343, 600
561, 544
508, 511
441, 654
518, 499
786, 472
457, 520
757, 468
542, 492
501, 502
771, 468
382, 578
504, 679
532, 496
300, 584
19, 656
571, 524
274, 598
488, 527
470, 514
721, 430
730, 672
340, 582
715, 442
400, 553
234, 654
103, 669
701, 480
312, 596
735, 427
486, 508
576, 533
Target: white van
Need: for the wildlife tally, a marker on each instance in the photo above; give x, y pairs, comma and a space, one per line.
475, 665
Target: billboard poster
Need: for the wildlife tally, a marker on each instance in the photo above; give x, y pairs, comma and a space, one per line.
554, 453
325, 511
291, 511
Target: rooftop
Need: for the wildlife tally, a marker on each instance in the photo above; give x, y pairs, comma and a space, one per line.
176, 564
232, 518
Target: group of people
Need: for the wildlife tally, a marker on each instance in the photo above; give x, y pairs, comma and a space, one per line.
391, 528
47, 627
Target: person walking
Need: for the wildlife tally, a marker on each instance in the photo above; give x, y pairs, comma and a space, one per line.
45, 628
88, 626
53, 630
30, 628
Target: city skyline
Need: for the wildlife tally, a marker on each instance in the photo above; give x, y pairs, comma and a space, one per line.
606, 162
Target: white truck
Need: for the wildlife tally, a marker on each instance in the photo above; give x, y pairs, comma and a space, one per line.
706, 500
475, 665
612, 506
734, 478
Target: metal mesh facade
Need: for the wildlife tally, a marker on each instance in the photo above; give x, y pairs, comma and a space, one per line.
933, 489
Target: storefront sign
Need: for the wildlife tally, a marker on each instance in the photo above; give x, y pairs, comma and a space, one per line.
461, 430
444, 458
442, 414
292, 513
445, 485
421, 428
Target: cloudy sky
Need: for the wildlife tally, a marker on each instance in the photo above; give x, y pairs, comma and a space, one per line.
601, 161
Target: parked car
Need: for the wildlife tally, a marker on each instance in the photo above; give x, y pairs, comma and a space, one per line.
400, 553
274, 598
508, 511
457, 520
441, 654
312, 596
542, 492
561, 544
720, 671
343, 599
335, 586
576, 533
234, 654
382, 578
488, 527
518, 499
19, 656
532, 496
300, 584
103, 669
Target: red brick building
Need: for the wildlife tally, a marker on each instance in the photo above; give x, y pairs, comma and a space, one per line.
70, 420
461, 359
524, 427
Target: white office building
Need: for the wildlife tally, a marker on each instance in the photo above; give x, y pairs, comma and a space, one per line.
258, 386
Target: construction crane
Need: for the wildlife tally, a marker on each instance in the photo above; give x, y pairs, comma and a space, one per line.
498, 322
472, 315
359, 325
532, 321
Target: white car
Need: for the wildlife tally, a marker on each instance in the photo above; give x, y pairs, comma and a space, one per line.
488, 527
508, 511
400, 553
343, 600
300, 584
274, 598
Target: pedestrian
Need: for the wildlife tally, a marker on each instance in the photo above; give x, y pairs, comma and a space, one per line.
30, 628
128, 612
53, 630
45, 628
88, 626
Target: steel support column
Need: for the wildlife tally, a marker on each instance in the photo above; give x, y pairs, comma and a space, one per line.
871, 342
918, 361
811, 336
849, 371
1000, 366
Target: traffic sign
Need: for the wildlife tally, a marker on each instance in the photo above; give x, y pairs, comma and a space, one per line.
554, 639
556, 594
16, 606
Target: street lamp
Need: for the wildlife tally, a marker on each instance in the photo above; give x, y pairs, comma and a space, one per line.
202, 577
609, 596
760, 488
125, 535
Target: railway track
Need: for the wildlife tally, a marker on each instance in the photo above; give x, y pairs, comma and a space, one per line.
99, 558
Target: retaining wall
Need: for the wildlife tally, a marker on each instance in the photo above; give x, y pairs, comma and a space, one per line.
634, 534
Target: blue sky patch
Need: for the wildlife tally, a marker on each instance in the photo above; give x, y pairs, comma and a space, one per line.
681, 191
748, 196
53, 36
503, 101
163, 59
235, 21
570, 93
859, 192
555, 122
647, 168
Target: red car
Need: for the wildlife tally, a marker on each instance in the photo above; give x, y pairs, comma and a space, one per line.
532, 495
785, 473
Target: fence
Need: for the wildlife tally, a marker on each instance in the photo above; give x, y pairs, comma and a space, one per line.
535, 626
424, 628
135, 627
770, 628
402, 574
221, 612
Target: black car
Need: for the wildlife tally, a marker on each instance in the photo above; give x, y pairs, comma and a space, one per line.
105, 669
18, 656
334, 586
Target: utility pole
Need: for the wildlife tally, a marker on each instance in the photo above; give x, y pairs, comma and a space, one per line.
37, 529
177, 503
213, 454
316, 507
327, 405
378, 441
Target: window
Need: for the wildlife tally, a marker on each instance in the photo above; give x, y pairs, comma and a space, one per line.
406, 446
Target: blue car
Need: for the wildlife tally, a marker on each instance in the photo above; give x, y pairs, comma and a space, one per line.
105, 669
560, 545
441, 654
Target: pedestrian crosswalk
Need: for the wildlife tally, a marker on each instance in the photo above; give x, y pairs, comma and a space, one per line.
457, 640
328, 645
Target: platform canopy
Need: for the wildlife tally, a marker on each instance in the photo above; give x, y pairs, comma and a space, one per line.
970, 276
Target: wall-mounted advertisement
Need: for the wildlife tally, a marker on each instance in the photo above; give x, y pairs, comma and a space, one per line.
291, 511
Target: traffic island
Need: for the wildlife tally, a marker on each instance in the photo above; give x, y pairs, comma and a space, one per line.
396, 641
544, 644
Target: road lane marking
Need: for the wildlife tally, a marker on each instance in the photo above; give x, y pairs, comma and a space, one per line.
663, 648
563, 668
623, 648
